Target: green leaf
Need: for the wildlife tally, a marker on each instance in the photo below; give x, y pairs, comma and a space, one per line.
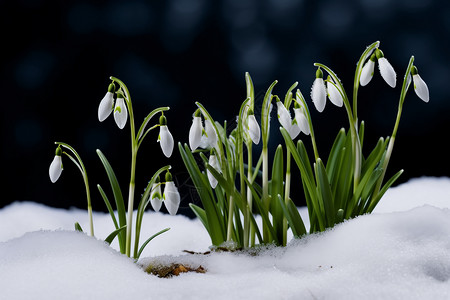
383, 190
148, 241
325, 194
201, 215
78, 227
277, 188
113, 234
293, 217
120, 205
108, 205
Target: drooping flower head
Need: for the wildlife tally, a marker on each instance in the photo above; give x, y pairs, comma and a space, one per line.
420, 87
333, 93
253, 127
368, 70
56, 166
165, 137
300, 117
213, 162
318, 91
106, 104
284, 117
120, 111
196, 131
171, 195
386, 70
156, 195
211, 135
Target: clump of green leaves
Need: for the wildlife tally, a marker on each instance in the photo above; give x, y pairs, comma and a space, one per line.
350, 182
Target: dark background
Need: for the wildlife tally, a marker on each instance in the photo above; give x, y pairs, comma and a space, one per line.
57, 57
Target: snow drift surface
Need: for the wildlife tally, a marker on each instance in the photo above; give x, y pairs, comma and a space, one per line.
387, 255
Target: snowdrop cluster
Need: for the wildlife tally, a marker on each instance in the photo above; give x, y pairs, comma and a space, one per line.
117, 101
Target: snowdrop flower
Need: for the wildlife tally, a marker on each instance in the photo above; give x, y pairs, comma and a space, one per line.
284, 117
300, 117
156, 195
420, 87
318, 91
253, 127
367, 71
210, 133
106, 105
171, 195
56, 166
165, 137
386, 70
196, 131
120, 112
213, 162
333, 93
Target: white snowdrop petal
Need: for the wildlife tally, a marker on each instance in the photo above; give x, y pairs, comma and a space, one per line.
166, 140
120, 113
195, 133
302, 121
55, 169
106, 106
171, 198
319, 94
421, 88
334, 95
155, 197
284, 117
387, 71
214, 163
253, 129
367, 72
211, 133
294, 130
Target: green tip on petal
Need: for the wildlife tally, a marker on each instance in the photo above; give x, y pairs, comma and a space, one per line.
250, 112
379, 53
197, 113
212, 152
414, 70
112, 87
373, 57
157, 180
58, 151
319, 73
168, 176
297, 105
162, 120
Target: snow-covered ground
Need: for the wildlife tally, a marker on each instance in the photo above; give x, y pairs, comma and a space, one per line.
401, 251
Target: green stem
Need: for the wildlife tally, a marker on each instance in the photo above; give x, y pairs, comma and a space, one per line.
287, 189
230, 219
249, 230
79, 163
265, 186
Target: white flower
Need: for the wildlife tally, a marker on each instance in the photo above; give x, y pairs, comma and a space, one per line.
420, 87
318, 92
213, 162
56, 166
106, 104
284, 117
171, 195
120, 112
253, 128
156, 196
333, 93
367, 71
195, 132
386, 70
166, 140
210, 133
302, 121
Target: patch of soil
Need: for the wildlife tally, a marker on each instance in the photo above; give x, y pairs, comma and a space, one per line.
167, 271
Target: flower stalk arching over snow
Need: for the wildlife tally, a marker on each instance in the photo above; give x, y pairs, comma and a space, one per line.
253, 127
171, 195
56, 167
420, 87
196, 131
318, 91
120, 112
165, 137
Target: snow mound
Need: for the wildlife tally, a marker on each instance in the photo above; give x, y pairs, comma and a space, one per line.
402, 254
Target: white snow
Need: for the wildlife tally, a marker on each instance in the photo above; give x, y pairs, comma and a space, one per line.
401, 251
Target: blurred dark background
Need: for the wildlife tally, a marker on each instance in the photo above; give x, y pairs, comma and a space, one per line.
57, 57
